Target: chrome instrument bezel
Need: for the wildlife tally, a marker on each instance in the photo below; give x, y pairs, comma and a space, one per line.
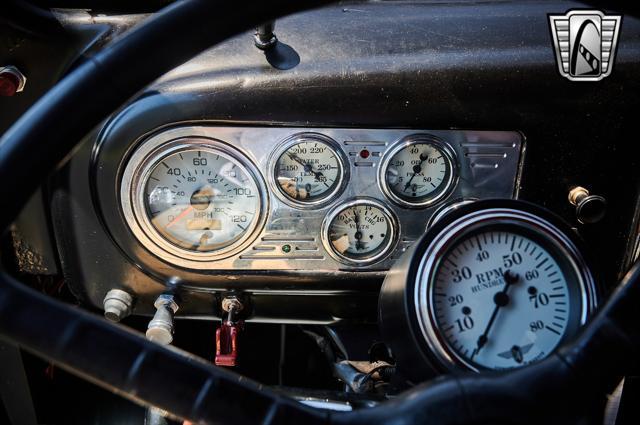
394, 228
134, 178
424, 286
450, 159
280, 150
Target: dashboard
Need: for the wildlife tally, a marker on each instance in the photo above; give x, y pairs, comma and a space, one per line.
478, 87
391, 192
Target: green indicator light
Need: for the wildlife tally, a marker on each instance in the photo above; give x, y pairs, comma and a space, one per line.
286, 248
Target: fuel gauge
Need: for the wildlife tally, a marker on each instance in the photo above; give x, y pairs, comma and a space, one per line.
360, 232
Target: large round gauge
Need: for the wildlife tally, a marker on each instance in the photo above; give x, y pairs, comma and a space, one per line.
359, 232
194, 199
502, 288
309, 169
418, 172
492, 285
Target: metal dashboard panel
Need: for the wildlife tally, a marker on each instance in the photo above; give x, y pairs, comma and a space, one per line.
488, 166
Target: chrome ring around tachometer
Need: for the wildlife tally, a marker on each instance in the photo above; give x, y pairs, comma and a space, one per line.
454, 233
444, 188
138, 169
337, 187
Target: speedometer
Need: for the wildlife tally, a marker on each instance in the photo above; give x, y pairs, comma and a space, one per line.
309, 170
193, 198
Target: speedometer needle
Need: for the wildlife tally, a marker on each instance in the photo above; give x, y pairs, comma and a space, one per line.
180, 216
501, 299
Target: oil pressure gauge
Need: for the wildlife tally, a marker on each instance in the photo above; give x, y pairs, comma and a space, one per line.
362, 231
309, 170
420, 171
495, 285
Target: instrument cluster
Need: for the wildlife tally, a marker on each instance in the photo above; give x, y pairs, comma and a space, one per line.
322, 200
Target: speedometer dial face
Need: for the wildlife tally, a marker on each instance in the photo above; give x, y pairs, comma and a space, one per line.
309, 170
418, 172
192, 200
201, 199
503, 296
360, 232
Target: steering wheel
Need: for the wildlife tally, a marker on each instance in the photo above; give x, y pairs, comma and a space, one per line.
554, 390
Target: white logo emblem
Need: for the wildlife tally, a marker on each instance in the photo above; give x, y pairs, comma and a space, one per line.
585, 43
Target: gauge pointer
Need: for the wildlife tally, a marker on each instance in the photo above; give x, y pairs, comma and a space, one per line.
417, 169
307, 167
501, 299
180, 216
358, 234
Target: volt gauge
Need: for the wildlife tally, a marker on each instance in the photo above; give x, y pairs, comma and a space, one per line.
418, 172
359, 232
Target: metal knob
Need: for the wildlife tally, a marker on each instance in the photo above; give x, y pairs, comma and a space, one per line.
589, 208
117, 304
160, 329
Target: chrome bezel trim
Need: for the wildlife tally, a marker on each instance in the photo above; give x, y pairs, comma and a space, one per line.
134, 179
282, 147
384, 253
450, 160
423, 288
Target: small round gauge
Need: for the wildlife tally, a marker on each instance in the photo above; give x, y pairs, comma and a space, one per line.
360, 232
502, 289
194, 198
418, 172
309, 169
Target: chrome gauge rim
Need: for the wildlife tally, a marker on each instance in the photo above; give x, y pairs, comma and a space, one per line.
447, 186
331, 195
383, 253
455, 232
134, 179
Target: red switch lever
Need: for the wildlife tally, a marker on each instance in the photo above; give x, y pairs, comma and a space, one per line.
227, 344
228, 333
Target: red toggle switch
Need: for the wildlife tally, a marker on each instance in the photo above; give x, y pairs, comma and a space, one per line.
227, 343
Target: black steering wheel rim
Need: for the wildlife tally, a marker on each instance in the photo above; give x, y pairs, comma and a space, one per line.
126, 363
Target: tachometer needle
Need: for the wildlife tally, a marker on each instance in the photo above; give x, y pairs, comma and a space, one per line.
501, 299
180, 216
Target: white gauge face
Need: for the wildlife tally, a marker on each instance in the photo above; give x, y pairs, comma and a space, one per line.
201, 199
309, 171
501, 300
361, 232
418, 174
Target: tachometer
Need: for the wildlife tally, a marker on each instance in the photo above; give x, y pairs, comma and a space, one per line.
497, 285
360, 232
194, 198
418, 172
309, 169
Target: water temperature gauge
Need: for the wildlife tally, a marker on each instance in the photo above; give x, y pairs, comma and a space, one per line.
360, 232
309, 170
